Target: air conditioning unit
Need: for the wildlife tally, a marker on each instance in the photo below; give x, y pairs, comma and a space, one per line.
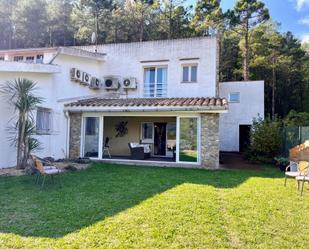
86, 79
76, 74
111, 83
129, 83
95, 83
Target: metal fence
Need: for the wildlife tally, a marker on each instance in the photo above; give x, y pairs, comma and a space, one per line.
292, 136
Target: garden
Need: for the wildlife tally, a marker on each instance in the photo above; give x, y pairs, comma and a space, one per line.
114, 206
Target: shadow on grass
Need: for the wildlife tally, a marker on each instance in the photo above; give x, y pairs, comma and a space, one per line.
94, 194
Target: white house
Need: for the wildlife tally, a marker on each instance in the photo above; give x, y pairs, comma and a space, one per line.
142, 102
246, 101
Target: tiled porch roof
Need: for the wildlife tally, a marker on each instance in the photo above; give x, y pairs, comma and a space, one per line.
153, 103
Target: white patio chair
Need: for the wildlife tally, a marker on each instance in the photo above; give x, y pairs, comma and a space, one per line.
291, 171
304, 175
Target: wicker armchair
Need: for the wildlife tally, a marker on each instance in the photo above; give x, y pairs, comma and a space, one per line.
138, 152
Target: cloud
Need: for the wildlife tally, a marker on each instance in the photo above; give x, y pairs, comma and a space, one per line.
304, 21
305, 38
300, 4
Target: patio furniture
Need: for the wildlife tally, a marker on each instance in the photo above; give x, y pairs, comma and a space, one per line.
291, 171
106, 147
46, 171
139, 151
304, 174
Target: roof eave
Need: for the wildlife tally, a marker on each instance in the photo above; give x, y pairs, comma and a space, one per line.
108, 109
81, 53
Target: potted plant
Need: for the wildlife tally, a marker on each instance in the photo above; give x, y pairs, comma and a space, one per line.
282, 162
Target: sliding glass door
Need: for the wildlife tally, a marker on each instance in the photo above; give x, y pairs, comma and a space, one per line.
188, 132
91, 138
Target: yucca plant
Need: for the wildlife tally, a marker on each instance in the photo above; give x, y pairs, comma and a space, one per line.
20, 93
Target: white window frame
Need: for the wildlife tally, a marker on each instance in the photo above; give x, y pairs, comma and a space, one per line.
147, 140
155, 80
190, 65
83, 133
234, 101
44, 132
198, 162
28, 60
19, 58
40, 59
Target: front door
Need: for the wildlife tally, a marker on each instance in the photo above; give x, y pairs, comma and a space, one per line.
244, 137
160, 139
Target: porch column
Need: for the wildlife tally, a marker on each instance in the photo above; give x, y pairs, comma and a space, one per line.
210, 140
75, 135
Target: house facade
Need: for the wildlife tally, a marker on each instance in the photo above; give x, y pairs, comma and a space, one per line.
154, 102
246, 101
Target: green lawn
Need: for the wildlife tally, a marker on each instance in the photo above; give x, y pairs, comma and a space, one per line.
188, 156
109, 206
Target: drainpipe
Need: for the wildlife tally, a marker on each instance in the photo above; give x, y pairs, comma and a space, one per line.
67, 139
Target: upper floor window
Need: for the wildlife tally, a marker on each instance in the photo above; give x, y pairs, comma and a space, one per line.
189, 73
234, 97
39, 58
18, 58
155, 82
43, 121
30, 59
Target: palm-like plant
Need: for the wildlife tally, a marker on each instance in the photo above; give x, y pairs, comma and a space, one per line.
21, 96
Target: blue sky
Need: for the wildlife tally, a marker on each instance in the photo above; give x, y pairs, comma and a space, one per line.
292, 14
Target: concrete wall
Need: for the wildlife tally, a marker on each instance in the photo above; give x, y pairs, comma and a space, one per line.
251, 104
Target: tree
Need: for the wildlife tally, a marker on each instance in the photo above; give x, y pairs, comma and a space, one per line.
230, 64
265, 139
21, 96
208, 17
90, 16
30, 23
6, 23
267, 45
246, 15
59, 24
139, 14
174, 19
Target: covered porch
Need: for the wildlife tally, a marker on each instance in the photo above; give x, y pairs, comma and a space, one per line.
137, 134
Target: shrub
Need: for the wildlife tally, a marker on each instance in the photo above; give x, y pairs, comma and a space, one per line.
296, 119
265, 139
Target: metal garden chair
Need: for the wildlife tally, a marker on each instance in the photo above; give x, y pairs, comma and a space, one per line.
44, 171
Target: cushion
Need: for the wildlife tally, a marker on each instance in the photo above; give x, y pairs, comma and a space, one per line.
134, 145
300, 178
292, 173
146, 148
49, 167
52, 171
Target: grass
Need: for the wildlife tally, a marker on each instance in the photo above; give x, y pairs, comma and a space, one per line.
188, 156
110, 206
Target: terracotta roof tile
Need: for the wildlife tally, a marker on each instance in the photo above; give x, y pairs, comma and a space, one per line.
219, 103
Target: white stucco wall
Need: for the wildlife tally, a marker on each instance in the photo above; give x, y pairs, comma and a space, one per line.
250, 105
128, 60
125, 60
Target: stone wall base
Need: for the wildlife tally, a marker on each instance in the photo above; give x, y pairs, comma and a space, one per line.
210, 140
75, 135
